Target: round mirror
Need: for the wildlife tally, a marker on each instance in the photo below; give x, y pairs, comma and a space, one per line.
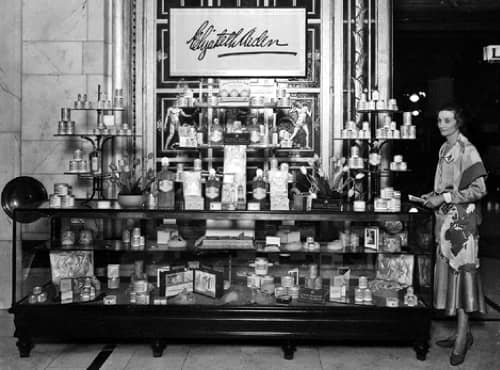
25, 192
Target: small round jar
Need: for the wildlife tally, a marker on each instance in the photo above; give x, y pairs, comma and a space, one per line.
363, 282
318, 283
280, 291
367, 295
37, 290
261, 266
133, 297
267, 284
42, 297
358, 295
313, 270
109, 299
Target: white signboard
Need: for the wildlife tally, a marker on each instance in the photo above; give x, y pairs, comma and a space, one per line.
237, 42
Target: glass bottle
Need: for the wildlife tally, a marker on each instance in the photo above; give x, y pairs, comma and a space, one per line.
166, 178
95, 162
179, 188
254, 131
217, 133
274, 134
240, 202
212, 189
259, 188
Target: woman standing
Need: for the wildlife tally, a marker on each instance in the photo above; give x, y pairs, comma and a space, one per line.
459, 184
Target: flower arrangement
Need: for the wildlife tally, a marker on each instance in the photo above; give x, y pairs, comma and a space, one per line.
345, 182
315, 182
128, 176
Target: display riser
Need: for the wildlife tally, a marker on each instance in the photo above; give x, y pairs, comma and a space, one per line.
160, 325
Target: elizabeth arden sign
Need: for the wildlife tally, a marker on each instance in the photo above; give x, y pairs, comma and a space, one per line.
237, 42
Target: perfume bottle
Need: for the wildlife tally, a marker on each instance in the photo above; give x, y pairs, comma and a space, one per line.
410, 299
166, 178
217, 133
259, 188
254, 131
212, 188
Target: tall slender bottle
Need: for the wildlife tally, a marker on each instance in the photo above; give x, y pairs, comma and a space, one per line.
166, 191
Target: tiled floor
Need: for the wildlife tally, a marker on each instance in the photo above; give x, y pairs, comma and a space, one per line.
485, 353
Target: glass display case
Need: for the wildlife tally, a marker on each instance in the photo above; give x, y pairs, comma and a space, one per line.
164, 275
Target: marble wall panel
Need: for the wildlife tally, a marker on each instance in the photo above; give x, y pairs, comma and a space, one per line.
10, 146
43, 98
10, 65
42, 57
5, 274
93, 57
49, 157
96, 19
55, 20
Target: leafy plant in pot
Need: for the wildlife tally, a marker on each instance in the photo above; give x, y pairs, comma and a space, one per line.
132, 182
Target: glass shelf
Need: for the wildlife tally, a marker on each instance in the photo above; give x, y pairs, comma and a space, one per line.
378, 111
91, 133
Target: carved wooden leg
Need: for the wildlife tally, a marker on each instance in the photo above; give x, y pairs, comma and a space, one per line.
289, 349
24, 345
158, 346
421, 348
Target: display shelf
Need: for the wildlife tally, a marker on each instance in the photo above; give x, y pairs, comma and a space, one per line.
98, 109
235, 105
90, 210
88, 174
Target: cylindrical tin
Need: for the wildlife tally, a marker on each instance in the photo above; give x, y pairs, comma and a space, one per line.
65, 114
61, 188
54, 201
294, 292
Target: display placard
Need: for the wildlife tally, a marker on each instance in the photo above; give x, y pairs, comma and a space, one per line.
236, 42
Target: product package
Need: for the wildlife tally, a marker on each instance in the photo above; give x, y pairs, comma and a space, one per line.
175, 282
209, 282
71, 264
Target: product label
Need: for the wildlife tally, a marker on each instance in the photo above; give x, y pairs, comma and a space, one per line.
166, 185
211, 192
259, 193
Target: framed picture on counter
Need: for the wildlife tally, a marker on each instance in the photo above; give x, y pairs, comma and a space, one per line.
371, 237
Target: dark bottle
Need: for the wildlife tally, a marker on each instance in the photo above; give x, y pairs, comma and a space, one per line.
166, 192
241, 204
212, 189
179, 188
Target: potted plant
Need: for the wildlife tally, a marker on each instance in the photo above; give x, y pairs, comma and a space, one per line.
132, 183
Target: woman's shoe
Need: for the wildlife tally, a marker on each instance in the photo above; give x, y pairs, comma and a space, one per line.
458, 358
450, 341
447, 343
